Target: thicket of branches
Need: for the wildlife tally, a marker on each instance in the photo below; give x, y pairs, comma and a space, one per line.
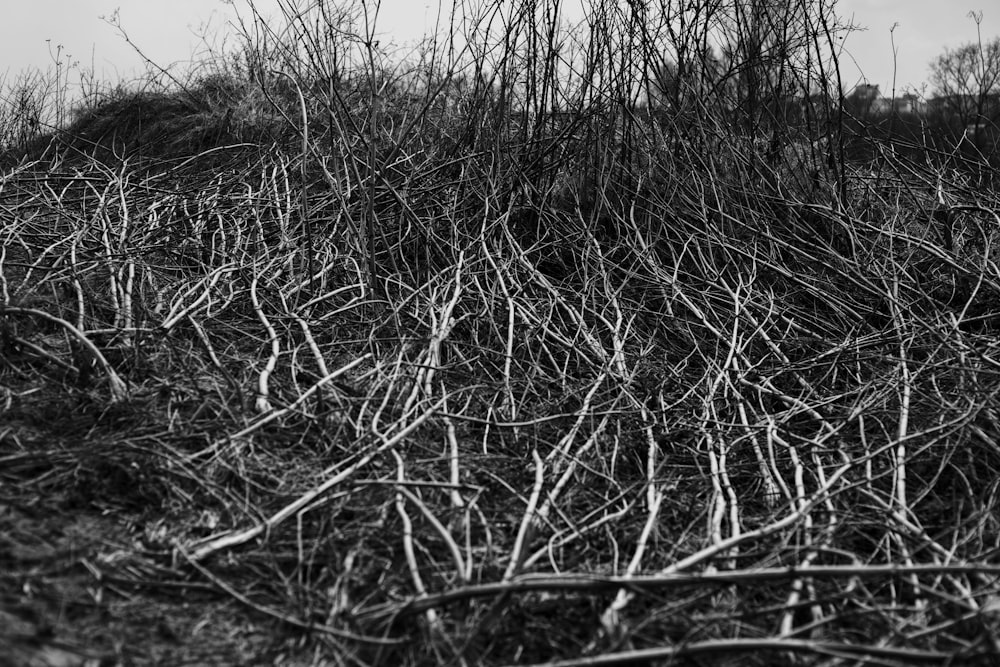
547, 342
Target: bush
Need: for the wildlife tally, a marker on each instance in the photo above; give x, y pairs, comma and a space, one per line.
540, 366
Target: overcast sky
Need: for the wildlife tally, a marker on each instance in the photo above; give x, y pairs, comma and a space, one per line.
170, 31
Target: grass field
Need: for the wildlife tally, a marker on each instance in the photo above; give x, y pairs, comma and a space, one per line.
330, 359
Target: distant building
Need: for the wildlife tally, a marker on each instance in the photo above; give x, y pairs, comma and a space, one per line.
909, 103
867, 99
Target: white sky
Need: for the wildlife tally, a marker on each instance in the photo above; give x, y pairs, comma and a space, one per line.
168, 31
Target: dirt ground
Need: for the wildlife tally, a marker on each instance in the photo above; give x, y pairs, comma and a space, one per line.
83, 578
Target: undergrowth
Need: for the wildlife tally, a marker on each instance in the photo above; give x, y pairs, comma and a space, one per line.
499, 354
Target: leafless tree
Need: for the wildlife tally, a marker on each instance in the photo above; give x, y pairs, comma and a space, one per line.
966, 81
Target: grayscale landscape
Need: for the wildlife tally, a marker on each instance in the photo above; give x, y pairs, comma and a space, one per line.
644, 338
